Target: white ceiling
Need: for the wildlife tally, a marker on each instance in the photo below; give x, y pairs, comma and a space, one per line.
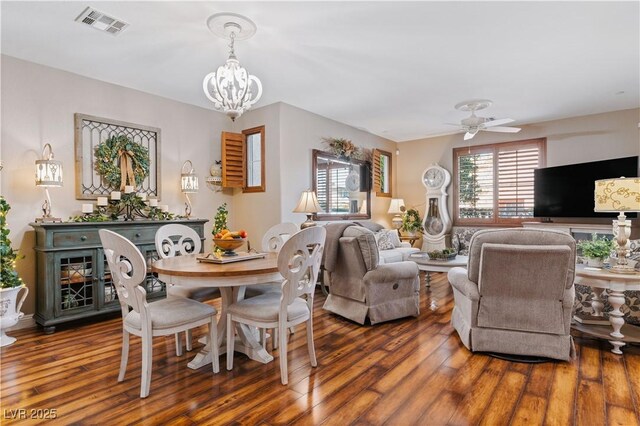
395, 69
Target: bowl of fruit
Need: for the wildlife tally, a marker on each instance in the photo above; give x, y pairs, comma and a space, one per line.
229, 241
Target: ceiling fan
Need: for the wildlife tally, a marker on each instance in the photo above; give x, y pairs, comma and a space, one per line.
473, 124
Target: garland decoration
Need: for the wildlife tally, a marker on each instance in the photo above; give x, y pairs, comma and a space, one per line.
120, 162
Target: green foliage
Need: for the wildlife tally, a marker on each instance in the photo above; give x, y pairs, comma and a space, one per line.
94, 217
469, 187
411, 221
596, 248
220, 219
108, 155
8, 275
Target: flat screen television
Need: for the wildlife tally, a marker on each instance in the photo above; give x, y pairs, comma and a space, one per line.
567, 191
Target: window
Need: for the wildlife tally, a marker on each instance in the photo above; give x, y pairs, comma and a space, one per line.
243, 163
493, 184
382, 173
254, 159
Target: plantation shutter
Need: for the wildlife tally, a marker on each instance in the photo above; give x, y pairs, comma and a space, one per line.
494, 183
233, 154
321, 192
377, 178
515, 180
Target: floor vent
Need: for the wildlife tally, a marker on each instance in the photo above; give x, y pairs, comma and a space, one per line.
101, 21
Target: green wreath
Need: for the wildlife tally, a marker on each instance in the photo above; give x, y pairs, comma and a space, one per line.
118, 159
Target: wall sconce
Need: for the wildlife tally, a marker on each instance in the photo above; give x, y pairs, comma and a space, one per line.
308, 204
188, 184
396, 208
214, 181
48, 175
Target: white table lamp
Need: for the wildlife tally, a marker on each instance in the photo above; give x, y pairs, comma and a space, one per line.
619, 195
396, 208
308, 204
188, 184
48, 175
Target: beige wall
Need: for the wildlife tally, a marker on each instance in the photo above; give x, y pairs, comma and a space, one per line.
571, 140
38, 104
301, 132
258, 211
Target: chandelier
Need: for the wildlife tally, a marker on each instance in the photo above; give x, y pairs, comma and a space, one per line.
231, 88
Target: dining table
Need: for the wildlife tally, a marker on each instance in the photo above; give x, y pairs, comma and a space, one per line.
231, 279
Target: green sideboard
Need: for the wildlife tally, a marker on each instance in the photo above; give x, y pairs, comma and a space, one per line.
73, 279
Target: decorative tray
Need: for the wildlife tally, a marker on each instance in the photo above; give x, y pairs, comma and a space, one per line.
445, 254
240, 256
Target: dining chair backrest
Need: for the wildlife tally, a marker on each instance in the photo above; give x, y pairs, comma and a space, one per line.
299, 263
277, 235
188, 240
128, 270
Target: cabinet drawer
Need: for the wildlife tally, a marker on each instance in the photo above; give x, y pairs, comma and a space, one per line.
76, 238
138, 235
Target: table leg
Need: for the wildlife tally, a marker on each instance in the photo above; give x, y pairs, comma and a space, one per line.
247, 343
616, 298
427, 279
596, 301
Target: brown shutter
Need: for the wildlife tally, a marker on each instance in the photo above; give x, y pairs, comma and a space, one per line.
233, 155
377, 185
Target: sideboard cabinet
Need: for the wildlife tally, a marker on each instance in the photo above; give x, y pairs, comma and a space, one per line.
73, 278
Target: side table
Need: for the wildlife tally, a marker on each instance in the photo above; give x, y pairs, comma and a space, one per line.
410, 239
615, 284
429, 265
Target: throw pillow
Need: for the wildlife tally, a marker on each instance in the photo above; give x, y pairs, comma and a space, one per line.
384, 241
394, 237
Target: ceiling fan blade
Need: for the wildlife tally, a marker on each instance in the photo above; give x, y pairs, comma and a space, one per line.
502, 129
499, 122
469, 135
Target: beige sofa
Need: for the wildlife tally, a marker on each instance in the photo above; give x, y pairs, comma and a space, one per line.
516, 296
362, 286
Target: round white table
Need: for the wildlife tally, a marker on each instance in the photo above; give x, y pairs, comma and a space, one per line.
231, 279
430, 265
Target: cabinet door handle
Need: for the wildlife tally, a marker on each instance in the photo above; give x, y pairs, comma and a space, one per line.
83, 238
138, 235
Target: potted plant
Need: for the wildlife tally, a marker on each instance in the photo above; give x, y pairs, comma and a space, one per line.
596, 250
10, 282
411, 223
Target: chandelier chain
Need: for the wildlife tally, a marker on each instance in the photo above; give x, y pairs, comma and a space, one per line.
232, 37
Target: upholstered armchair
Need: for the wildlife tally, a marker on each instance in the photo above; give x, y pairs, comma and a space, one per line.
361, 287
516, 296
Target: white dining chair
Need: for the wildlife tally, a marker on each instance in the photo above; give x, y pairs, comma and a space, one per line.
272, 242
298, 263
175, 239
162, 318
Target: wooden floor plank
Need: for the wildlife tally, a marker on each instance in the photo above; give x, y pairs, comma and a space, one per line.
529, 411
404, 372
590, 403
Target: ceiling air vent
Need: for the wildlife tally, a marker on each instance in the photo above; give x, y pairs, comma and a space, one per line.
101, 21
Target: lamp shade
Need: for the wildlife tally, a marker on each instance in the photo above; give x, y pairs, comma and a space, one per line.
617, 195
48, 170
308, 203
188, 180
396, 206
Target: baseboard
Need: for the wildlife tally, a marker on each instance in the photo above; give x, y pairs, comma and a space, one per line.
26, 321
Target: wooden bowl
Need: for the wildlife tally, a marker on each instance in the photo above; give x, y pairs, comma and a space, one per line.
228, 245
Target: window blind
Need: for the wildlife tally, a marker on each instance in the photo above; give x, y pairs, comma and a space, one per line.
515, 181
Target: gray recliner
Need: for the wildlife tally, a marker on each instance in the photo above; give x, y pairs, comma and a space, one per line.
361, 287
516, 296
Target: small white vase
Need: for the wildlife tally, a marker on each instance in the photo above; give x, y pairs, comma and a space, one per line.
10, 311
594, 262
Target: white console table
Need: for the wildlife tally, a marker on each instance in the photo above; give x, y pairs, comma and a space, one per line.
616, 285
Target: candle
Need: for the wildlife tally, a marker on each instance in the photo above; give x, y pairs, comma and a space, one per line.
153, 202
103, 201
87, 208
164, 208
115, 195
142, 196
128, 189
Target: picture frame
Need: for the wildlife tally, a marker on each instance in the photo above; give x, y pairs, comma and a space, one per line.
90, 131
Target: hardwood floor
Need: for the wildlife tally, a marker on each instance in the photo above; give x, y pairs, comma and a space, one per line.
410, 371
